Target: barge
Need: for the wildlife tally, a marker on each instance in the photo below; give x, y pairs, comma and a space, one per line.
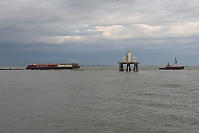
52, 66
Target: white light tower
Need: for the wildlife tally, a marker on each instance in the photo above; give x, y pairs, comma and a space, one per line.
128, 56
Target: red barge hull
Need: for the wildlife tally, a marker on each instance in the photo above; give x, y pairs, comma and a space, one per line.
52, 66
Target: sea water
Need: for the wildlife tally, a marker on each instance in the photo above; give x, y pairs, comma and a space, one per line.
99, 100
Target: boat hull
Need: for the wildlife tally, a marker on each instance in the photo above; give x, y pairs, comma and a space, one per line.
172, 68
48, 68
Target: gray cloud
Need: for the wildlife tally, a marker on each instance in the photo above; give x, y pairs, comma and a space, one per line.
32, 20
87, 25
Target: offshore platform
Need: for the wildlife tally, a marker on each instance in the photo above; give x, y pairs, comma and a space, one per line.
127, 60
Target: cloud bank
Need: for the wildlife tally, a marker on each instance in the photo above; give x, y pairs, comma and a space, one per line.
101, 24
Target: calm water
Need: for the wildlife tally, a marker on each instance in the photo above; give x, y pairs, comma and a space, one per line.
99, 100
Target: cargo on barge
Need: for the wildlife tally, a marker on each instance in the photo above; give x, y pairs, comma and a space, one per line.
52, 66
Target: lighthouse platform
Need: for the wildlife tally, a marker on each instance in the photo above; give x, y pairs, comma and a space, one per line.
128, 66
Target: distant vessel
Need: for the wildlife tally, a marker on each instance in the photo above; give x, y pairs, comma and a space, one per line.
174, 67
52, 66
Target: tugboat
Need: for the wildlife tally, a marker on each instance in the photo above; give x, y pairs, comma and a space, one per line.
174, 67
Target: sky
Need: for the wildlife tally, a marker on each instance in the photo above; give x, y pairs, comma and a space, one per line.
98, 32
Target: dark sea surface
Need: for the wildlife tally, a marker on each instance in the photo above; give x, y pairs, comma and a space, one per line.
99, 100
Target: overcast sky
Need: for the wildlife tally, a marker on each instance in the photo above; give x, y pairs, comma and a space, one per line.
98, 31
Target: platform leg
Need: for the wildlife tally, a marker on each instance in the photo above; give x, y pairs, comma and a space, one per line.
135, 69
128, 67
121, 67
